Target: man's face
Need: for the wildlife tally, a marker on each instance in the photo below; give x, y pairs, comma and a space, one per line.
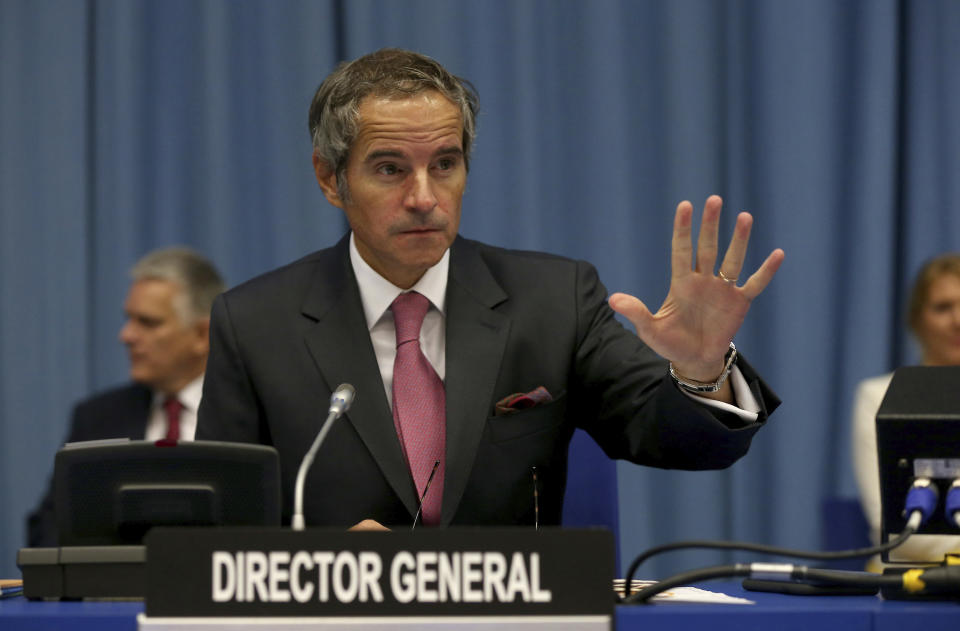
406, 176
939, 326
165, 353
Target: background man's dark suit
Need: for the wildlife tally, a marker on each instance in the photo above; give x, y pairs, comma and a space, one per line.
119, 413
282, 342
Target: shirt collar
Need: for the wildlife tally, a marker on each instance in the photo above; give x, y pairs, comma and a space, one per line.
189, 395
377, 293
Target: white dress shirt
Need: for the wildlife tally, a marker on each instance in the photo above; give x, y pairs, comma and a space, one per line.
189, 397
377, 294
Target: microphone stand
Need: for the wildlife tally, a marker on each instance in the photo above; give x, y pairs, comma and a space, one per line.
340, 402
426, 487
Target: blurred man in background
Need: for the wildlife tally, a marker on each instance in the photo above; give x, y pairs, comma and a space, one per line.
166, 334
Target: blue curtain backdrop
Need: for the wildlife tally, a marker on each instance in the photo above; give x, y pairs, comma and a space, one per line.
129, 125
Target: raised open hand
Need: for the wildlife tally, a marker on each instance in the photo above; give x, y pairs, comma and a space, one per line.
703, 311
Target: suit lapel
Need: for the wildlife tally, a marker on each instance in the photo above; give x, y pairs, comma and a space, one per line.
476, 338
340, 345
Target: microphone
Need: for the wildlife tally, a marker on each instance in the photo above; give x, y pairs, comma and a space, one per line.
536, 501
342, 398
340, 402
426, 487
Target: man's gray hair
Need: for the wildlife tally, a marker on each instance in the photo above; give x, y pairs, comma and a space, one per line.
197, 278
391, 73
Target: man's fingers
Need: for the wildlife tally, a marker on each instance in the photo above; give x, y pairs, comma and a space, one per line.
681, 253
633, 309
709, 231
762, 277
368, 525
732, 263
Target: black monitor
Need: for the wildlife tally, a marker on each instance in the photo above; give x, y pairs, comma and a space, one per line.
918, 436
112, 492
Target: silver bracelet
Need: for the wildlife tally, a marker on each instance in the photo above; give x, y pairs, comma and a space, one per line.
698, 387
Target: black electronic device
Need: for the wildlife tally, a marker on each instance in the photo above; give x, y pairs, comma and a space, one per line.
108, 494
111, 493
918, 441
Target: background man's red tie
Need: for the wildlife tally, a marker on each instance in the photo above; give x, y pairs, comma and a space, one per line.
173, 407
419, 403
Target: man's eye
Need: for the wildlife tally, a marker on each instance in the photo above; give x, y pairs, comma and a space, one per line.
388, 169
445, 164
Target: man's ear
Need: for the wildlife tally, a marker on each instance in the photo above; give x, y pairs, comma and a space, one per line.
327, 179
201, 329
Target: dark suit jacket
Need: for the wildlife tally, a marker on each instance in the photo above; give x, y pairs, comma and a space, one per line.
282, 342
119, 413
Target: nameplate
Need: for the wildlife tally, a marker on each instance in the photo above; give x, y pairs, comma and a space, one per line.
226, 572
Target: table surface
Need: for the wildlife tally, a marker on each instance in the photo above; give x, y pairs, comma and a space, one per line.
772, 611
787, 613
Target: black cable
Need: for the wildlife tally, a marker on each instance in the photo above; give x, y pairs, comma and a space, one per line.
798, 573
764, 549
685, 578
845, 577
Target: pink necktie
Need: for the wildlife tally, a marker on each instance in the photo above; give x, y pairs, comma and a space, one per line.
173, 407
419, 404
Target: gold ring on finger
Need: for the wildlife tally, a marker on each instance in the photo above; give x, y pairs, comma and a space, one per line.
731, 281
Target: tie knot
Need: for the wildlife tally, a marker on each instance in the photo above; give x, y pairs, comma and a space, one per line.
408, 312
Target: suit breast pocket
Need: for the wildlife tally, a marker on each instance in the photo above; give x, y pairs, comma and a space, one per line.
524, 423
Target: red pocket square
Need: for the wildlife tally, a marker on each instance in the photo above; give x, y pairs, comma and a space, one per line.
522, 400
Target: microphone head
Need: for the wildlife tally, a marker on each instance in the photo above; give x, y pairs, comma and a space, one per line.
342, 398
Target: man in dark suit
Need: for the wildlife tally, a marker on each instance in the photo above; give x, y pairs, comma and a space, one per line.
167, 338
520, 348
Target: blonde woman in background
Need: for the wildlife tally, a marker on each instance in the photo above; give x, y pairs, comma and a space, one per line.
933, 315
